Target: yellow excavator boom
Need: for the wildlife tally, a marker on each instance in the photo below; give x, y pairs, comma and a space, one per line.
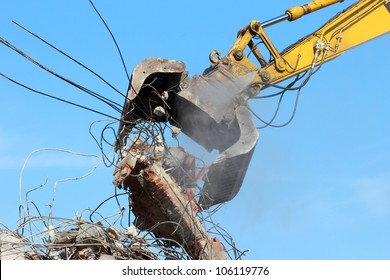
359, 23
212, 108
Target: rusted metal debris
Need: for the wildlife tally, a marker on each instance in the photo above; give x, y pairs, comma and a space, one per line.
162, 187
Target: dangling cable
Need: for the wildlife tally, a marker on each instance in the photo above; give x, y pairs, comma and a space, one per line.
68, 56
105, 100
113, 38
57, 98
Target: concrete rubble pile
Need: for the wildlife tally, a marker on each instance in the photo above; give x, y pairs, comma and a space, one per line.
161, 184
87, 241
163, 195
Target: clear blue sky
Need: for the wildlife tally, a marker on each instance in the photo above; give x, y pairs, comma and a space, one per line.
316, 189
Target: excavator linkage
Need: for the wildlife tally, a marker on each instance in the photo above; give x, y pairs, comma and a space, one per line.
208, 108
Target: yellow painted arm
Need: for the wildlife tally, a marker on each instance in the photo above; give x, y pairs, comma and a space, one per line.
299, 11
359, 23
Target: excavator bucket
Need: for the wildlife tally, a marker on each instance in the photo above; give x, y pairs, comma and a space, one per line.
153, 85
208, 108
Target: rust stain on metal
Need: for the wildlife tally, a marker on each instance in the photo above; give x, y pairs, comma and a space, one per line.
164, 207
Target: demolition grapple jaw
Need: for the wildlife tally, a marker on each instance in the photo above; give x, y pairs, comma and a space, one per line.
207, 108
153, 86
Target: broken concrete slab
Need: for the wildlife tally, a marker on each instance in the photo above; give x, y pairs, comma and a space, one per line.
11, 246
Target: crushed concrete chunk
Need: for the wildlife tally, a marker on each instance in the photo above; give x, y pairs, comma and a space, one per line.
159, 111
11, 246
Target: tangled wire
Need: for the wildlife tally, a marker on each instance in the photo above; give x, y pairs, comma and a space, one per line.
94, 234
